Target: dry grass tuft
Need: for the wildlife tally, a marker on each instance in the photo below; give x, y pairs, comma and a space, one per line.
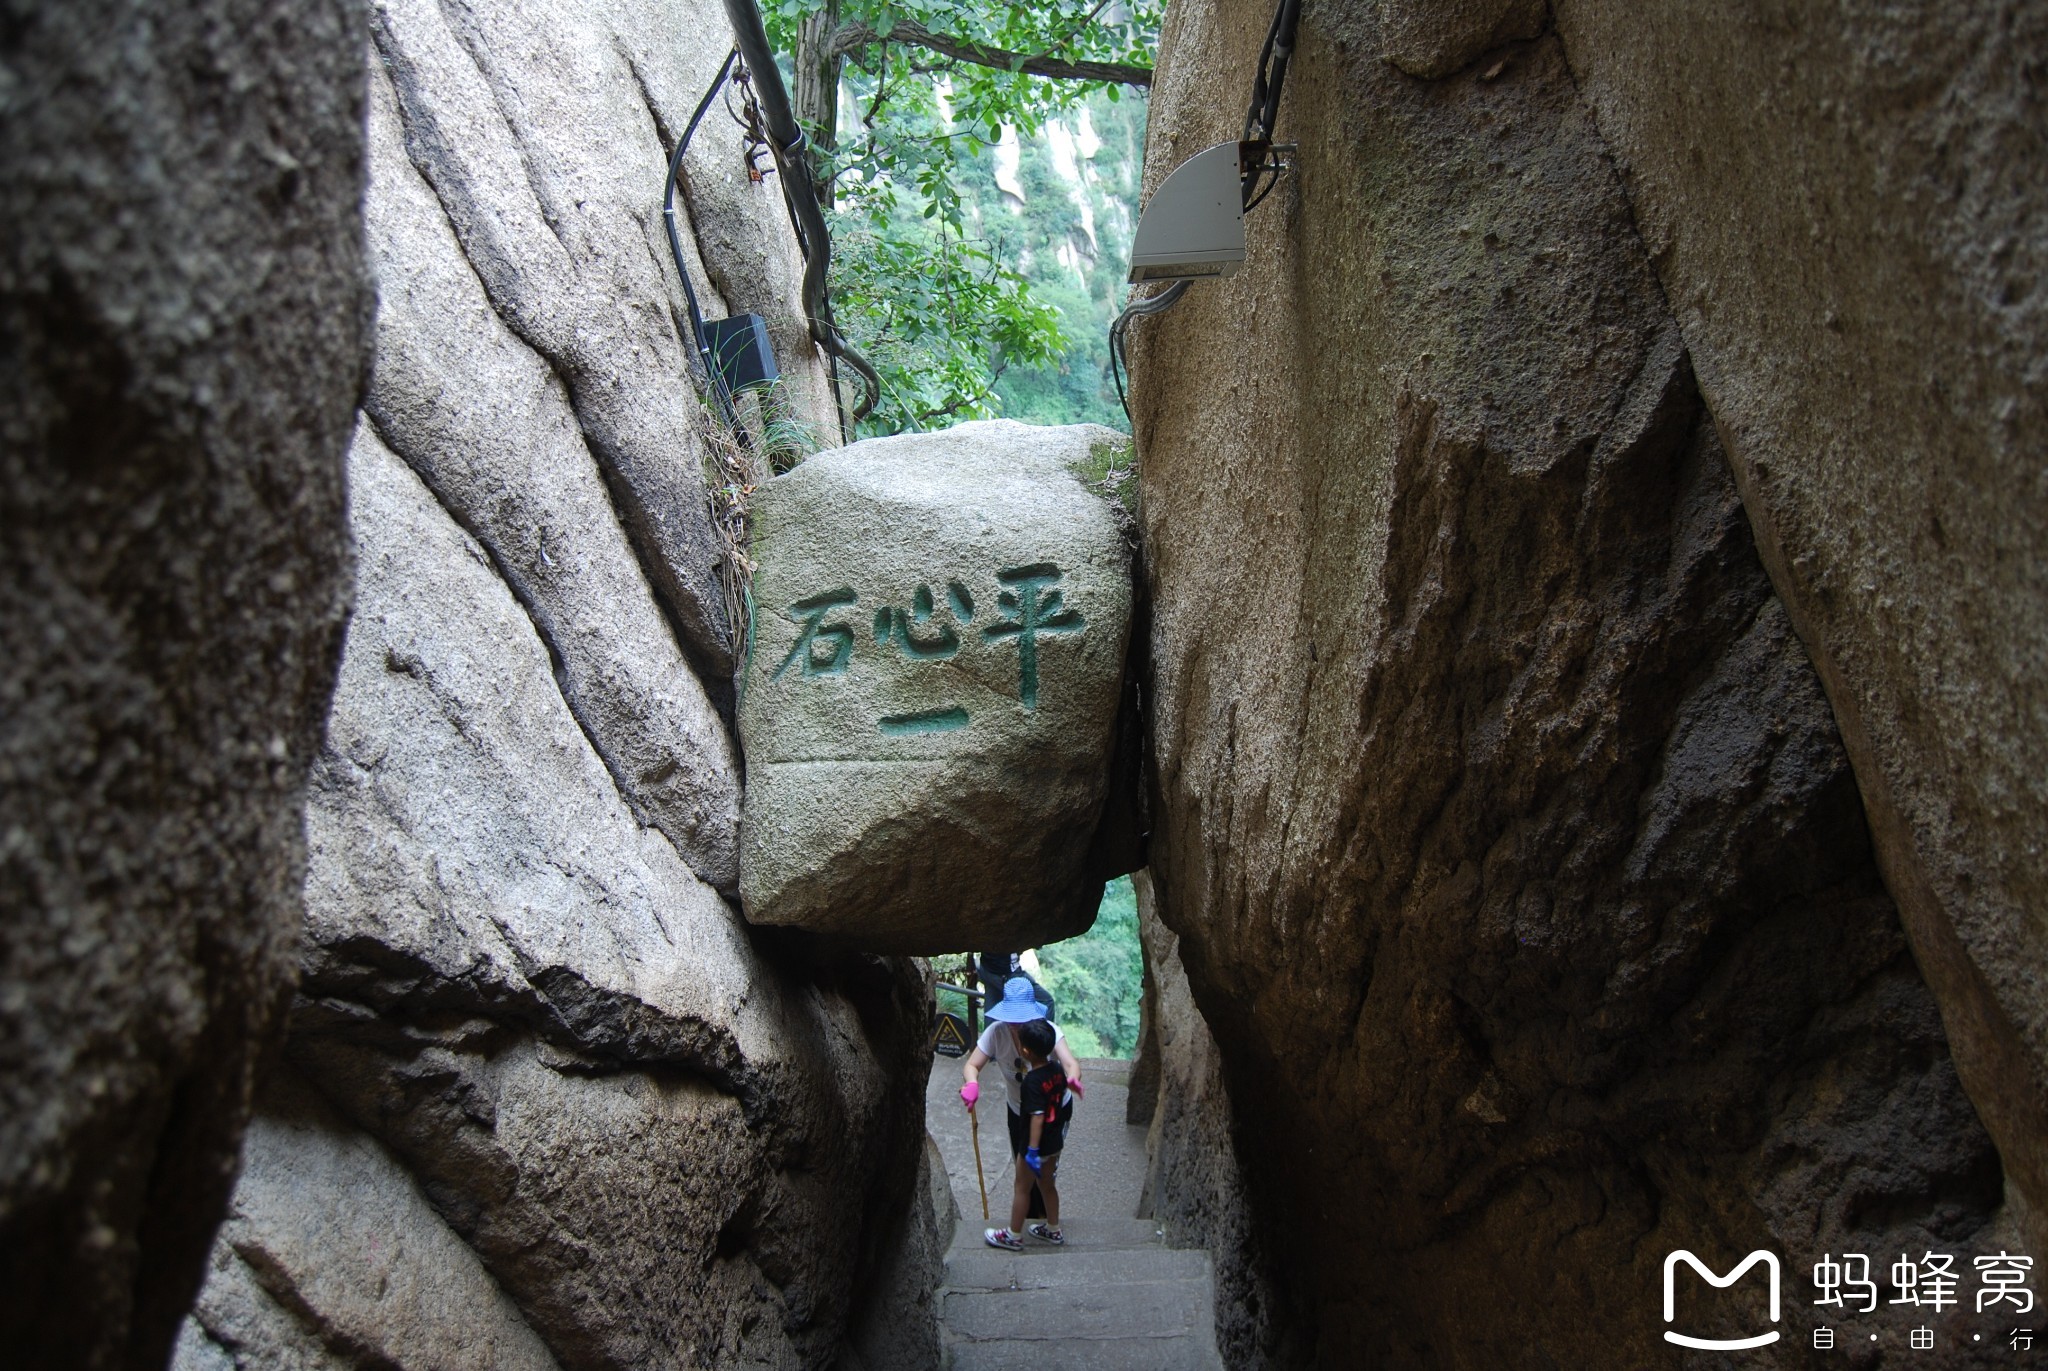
768, 442
732, 469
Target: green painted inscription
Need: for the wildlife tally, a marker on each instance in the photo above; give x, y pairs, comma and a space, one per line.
836, 639
934, 644
1031, 608
925, 721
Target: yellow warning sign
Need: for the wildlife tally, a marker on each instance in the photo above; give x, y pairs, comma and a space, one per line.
949, 1036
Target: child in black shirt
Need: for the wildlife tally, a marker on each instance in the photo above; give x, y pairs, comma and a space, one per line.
1045, 1086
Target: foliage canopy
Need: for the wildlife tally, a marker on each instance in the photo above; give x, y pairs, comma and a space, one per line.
903, 102
1099, 977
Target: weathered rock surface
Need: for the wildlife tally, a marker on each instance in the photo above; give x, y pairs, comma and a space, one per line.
183, 313
552, 1102
1518, 868
1432, 38
899, 1323
1849, 213
486, 422
536, 126
331, 1256
663, 1147
932, 688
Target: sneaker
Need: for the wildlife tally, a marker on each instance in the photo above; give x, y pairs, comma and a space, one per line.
1045, 1234
1003, 1238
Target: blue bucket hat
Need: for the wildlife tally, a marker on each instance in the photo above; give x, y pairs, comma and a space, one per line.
1020, 1002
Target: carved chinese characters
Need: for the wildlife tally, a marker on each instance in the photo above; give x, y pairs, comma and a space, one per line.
930, 690
1030, 605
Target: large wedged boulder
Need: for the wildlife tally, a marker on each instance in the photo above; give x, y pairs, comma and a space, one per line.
931, 688
1517, 865
1848, 209
184, 315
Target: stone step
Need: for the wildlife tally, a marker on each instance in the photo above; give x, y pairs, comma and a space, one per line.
1114, 1297
988, 1269
1083, 1235
1072, 1354
1116, 1313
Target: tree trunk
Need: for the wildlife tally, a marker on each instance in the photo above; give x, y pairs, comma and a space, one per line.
817, 92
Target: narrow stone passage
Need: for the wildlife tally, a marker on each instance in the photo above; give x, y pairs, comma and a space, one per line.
1114, 1296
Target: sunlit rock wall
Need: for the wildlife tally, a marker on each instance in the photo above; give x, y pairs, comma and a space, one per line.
1517, 864
601, 1121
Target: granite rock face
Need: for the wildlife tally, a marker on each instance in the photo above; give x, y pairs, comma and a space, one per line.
932, 688
332, 1256
1517, 865
542, 130
599, 1122
1849, 213
183, 319
659, 1146
1432, 38
486, 421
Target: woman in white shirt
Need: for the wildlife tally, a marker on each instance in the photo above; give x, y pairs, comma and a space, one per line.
998, 1043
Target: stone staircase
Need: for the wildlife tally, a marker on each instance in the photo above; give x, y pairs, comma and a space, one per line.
1113, 1297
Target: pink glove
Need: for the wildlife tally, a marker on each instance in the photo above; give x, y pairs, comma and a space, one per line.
1074, 1084
970, 1092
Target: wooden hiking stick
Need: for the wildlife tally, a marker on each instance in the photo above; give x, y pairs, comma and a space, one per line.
974, 1129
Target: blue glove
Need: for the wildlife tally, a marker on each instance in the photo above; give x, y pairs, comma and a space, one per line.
1033, 1160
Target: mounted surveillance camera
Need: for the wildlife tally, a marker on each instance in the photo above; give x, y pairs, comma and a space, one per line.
1193, 227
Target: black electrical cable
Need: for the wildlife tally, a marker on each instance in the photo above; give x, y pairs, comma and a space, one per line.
1267, 83
787, 141
675, 247
1260, 119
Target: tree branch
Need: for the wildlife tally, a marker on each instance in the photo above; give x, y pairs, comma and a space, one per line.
854, 34
947, 411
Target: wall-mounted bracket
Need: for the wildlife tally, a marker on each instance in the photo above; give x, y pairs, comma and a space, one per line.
1193, 227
